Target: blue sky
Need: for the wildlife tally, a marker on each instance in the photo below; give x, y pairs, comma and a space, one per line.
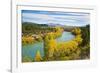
63, 18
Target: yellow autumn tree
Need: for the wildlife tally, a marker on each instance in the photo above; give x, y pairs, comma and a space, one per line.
76, 31
27, 40
52, 47
38, 56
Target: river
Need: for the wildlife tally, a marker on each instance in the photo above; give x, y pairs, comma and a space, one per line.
31, 49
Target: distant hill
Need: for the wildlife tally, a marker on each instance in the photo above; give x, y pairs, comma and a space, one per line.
35, 24
51, 25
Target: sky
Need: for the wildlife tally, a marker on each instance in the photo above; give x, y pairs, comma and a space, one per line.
56, 17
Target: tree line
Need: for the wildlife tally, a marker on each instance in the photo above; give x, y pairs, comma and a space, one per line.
77, 48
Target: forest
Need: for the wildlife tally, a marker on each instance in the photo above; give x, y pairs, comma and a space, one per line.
74, 49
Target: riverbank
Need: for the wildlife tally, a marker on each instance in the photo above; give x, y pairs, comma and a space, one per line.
32, 38
63, 47
28, 49
66, 50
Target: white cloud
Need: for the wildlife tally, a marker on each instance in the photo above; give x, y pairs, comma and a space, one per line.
37, 16
57, 17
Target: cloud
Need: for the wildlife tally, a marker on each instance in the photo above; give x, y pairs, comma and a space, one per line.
71, 18
37, 16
